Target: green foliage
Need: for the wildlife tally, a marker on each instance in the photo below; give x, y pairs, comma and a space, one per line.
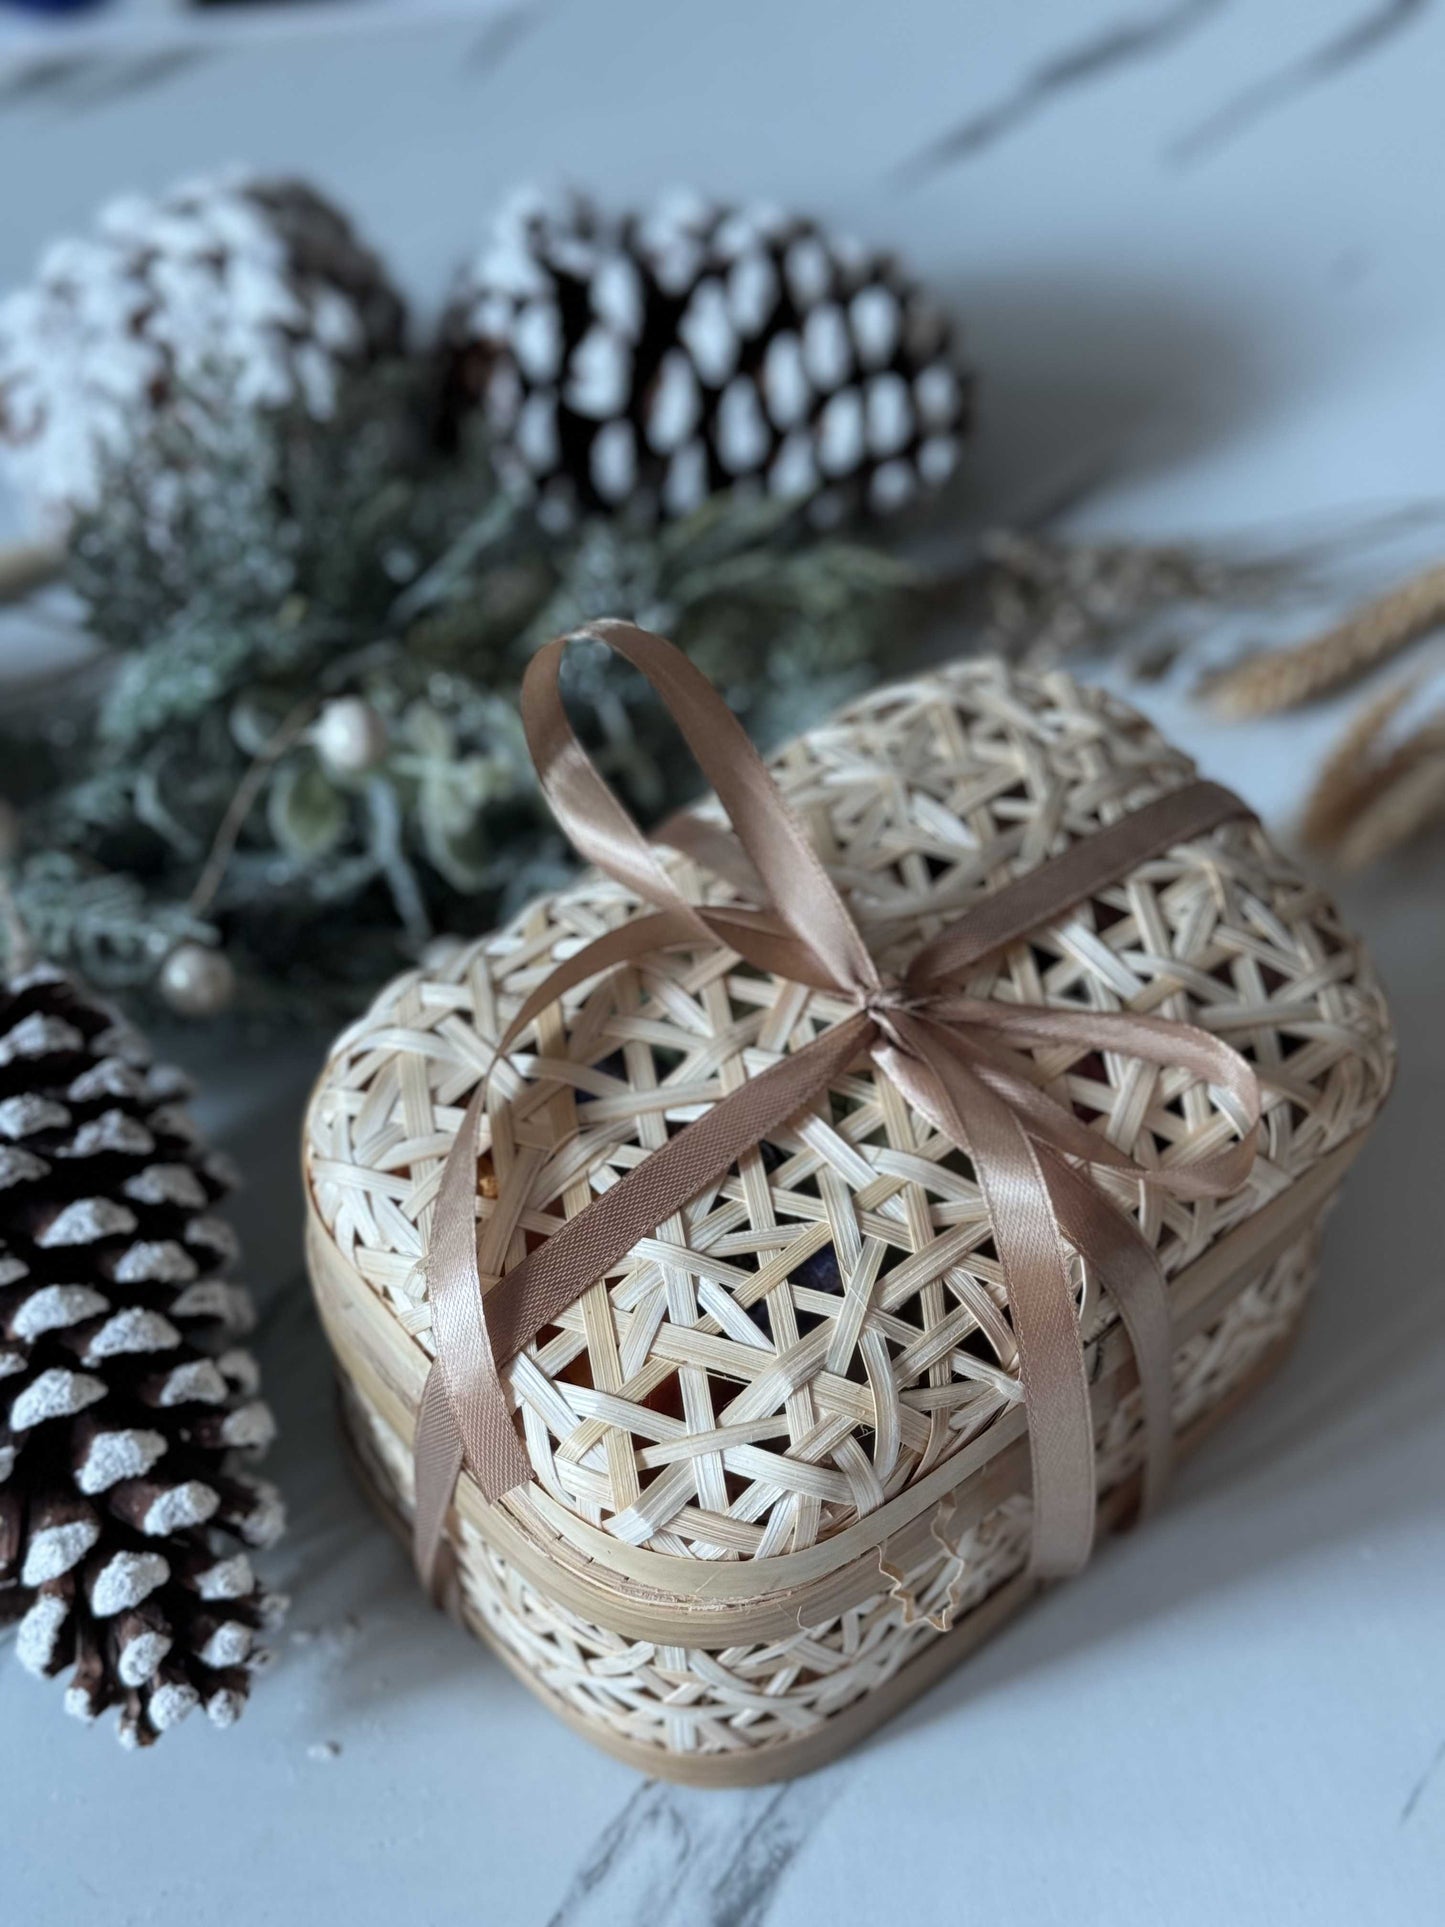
243, 571
306, 814
105, 924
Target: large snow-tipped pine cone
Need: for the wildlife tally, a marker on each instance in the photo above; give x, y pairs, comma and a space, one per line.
128, 1410
239, 292
650, 361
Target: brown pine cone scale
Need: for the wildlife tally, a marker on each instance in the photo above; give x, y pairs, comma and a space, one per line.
128, 1410
640, 365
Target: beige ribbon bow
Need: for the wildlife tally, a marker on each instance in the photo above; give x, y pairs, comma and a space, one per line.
949, 1054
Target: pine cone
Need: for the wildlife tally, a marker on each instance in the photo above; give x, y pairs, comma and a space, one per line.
126, 1407
233, 292
654, 360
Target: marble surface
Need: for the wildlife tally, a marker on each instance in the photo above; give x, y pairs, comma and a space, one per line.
1197, 250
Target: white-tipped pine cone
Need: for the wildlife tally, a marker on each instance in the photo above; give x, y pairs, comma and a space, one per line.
241, 293
646, 362
128, 1410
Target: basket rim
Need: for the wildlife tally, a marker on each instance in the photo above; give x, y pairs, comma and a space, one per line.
789, 1759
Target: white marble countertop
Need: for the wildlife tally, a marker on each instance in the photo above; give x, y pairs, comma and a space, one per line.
1197, 249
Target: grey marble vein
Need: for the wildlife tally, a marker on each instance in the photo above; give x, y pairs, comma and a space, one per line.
1321, 64
504, 32
1138, 37
99, 82
34, 79
1417, 1792
674, 1857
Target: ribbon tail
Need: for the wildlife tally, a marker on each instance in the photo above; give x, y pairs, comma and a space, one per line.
465, 1358
437, 1457
1130, 1273
463, 1417
1035, 1265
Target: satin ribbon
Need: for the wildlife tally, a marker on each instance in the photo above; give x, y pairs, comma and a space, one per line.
956, 1059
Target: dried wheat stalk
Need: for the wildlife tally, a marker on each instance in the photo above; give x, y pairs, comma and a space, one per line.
1372, 796
1411, 805
1284, 678
1353, 772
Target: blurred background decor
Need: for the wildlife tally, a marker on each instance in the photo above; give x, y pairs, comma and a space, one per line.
1383, 783
226, 297
642, 364
309, 556
312, 564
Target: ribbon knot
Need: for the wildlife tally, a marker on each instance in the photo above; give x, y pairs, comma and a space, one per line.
887, 999
961, 1061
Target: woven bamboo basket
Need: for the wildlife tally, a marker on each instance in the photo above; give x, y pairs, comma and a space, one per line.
780, 1479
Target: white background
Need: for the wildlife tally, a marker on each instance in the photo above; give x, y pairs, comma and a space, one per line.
1197, 248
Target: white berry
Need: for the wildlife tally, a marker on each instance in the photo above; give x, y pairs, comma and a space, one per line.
350, 736
197, 981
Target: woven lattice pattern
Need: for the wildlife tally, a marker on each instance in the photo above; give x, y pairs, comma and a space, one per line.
687, 1701
829, 1322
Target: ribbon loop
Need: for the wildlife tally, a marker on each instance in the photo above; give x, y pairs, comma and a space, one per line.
799, 889
960, 1061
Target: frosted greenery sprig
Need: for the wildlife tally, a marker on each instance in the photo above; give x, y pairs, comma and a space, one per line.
301, 752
